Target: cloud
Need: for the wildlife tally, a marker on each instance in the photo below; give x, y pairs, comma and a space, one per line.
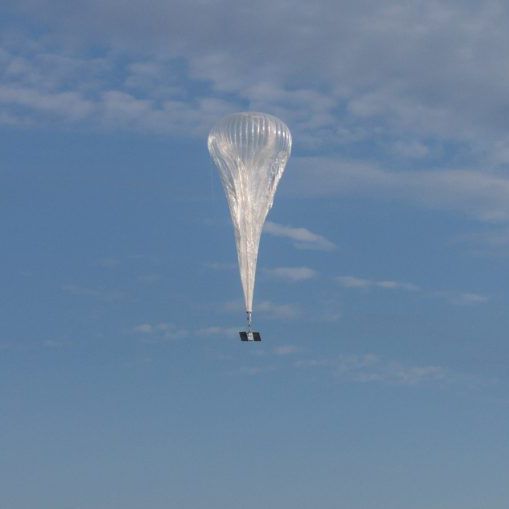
99, 294
54, 105
478, 194
361, 283
302, 237
456, 298
43, 84
370, 368
144, 328
159, 332
280, 311
109, 263
388, 72
215, 330
292, 273
410, 149
55, 343
221, 265
148, 278
252, 370
285, 350
469, 299
494, 241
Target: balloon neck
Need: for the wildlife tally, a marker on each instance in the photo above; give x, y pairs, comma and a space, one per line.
249, 316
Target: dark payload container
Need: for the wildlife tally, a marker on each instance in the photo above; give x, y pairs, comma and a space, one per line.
250, 336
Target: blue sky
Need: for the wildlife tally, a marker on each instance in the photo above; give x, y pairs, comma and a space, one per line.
381, 295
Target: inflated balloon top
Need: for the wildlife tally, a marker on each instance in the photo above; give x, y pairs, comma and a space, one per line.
250, 150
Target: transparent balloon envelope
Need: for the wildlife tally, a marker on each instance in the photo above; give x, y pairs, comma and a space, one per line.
250, 150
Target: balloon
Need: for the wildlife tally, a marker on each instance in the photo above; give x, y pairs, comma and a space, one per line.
250, 150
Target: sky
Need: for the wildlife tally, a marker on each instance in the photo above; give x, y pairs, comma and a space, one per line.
381, 295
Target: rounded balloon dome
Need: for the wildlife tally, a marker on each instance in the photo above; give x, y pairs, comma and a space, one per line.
249, 135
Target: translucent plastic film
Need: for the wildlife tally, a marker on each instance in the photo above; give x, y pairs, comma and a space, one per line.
250, 150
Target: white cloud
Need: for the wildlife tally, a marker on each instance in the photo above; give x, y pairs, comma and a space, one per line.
285, 350
144, 328
479, 194
156, 332
216, 330
494, 241
390, 71
410, 149
361, 283
42, 84
102, 294
159, 332
148, 278
69, 106
108, 263
280, 311
371, 368
302, 237
292, 273
220, 265
353, 282
252, 370
55, 343
457, 298
469, 299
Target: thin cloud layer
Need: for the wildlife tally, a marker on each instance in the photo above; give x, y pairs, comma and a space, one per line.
159, 332
452, 297
469, 299
478, 194
292, 273
361, 283
279, 311
302, 237
345, 73
370, 368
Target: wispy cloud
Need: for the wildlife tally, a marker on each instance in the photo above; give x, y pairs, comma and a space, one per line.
302, 237
491, 242
371, 368
479, 194
217, 330
280, 311
40, 85
362, 283
159, 332
468, 299
148, 279
453, 297
221, 265
163, 331
380, 74
54, 344
285, 350
102, 294
292, 273
109, 263
144, 328
252, 370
